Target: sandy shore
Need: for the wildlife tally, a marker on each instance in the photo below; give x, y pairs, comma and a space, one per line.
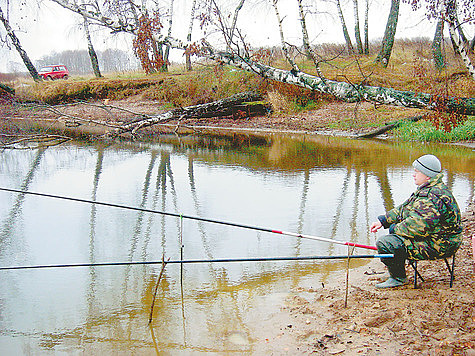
433, 319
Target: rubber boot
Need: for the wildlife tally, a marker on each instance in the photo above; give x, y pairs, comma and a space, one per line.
392, 283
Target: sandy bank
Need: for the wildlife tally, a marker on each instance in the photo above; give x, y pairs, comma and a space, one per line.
431, 320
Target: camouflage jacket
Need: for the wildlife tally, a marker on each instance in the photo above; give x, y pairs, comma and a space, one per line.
429, 221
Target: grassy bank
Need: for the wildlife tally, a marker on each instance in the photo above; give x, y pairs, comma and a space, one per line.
410, 68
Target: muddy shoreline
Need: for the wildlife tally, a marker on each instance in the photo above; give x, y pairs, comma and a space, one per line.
433, 319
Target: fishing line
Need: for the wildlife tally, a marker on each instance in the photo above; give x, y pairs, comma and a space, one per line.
219, 260
257, 228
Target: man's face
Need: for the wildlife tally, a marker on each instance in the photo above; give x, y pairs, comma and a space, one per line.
419, 177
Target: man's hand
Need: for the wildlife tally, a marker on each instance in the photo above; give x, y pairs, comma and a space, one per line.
376, 226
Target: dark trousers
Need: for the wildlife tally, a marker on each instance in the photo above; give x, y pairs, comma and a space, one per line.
393, 244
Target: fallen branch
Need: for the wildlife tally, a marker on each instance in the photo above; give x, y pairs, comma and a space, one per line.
24, 143
75, 120
390, 126
106, 108
249, 102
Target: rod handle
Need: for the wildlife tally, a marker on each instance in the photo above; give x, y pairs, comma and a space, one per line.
362, 246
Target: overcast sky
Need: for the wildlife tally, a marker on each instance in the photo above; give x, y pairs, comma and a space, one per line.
54, 29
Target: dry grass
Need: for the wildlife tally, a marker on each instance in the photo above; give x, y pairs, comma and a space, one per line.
410, 68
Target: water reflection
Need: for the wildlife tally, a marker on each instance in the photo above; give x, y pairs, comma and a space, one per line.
16, 209
321, 186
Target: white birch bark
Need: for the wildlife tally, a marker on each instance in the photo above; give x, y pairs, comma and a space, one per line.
188, 36
16, 43
116, 25
359, 44
306, 41
345, 91
234, 22
167, 49
91, 50
285, 49
461, 49
349, 45
366, 27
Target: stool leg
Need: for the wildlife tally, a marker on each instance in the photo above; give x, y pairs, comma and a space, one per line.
413, 264
451, 270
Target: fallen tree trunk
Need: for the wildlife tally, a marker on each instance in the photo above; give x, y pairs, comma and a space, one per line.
343, 91
349, 92
390, 126
6, 88
239, 105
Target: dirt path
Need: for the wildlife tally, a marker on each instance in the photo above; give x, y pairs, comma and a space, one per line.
431, 320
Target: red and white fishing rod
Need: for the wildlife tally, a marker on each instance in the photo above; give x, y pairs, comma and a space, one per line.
346, 243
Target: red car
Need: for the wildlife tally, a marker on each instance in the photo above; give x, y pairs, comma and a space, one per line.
57, 71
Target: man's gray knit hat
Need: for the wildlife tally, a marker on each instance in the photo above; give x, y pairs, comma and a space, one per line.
428, 164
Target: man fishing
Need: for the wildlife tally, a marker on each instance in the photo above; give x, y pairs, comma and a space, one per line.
426, 226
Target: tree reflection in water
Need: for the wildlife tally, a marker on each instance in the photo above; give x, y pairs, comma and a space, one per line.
314, 185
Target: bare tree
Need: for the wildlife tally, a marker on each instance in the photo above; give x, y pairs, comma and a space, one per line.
448, 11
232, 29
91, 50
285, 47
359, 43
366, 28
457, 40
167, 47
241, 57
143, 22
188, 37
437, 53
349, 45
389, 33
306, 41
16, 43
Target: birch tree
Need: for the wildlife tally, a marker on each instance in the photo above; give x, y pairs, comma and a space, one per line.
238, 9
285, 47
457, 40
143, 22
448, 11
437, 53
346, 35
91, 51
359, 43
16, 43
366, 28
459, 45
167, 47
240, 57
188, 37
310, 54
347, 91
389, 33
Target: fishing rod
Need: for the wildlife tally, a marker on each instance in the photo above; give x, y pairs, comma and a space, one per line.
190, 217
218, 260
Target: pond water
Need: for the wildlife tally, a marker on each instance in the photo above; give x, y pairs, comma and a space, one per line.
324, 186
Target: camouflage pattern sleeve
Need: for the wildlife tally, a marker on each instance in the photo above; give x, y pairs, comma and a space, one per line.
430, 221
420, 222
